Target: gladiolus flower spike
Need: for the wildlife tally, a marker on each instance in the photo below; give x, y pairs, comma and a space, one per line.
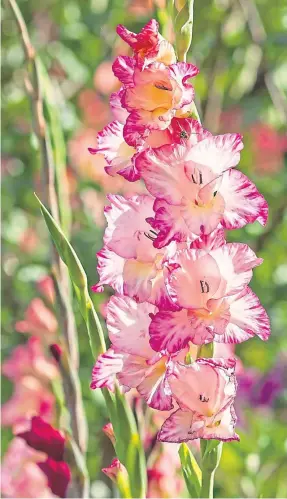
178, 284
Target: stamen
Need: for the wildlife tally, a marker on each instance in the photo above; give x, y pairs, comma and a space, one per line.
151, 236
162, 87
202, 398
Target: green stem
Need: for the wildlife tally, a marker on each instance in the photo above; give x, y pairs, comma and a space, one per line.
207, 483
211, 451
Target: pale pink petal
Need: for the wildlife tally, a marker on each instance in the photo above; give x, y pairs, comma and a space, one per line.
206, 386
110, 269
119, 113
39, 321
137, 278
219, 153
30, 398
235, 262
133, 371
127, 226
20, 474
181, 426
163, 171
119, 155
29, 359
105, 369
195, 280
154, 388
204, 217
123, 69
247, 319
128, 325
210, 321
243, 202
222, 427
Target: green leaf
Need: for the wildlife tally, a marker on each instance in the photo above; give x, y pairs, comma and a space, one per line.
58, 146
79, 280
190, 470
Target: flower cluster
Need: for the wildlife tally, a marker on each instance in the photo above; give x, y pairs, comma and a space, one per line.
178, 284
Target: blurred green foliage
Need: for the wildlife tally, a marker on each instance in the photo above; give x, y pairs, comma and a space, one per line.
240, 48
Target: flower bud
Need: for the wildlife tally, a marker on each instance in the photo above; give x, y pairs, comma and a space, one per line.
109, 431
183, 27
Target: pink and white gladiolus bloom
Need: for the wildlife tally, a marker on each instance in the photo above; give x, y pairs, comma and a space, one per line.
131, 359
129, 262
197, 190
215, 303
153, 96
204, 391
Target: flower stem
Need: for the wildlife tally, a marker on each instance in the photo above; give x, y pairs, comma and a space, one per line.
211, 451
207, 483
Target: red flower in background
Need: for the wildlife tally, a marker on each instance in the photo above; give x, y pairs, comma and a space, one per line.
43, 437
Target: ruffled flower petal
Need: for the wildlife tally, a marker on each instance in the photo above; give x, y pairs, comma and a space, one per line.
209, 242
168, 223
195, 279
182, 72
148, 45
119, 155
119, 113
138, 278
124, 68
235, 262
243, 202
127, 226
170, 331
110, 269
105, 369
206, 386
219, 152
133, 371
247, 319
154, 388
181, 426
163, 172
128, 325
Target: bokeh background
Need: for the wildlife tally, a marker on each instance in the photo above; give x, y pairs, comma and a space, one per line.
240, 48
